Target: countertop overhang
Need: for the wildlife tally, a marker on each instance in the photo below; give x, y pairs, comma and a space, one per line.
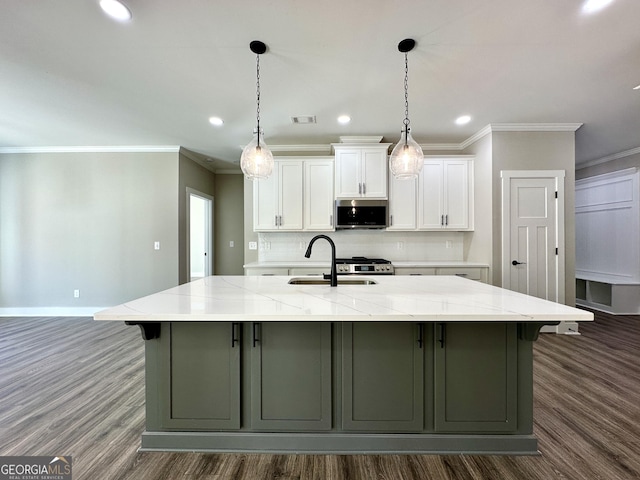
392, 298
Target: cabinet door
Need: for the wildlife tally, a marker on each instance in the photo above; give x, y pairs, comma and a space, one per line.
290, 195
348, 180
430, 203
291, 376
382, 376
476, 377
318, 195
402, 204
202, 376
265, 202
456, 194
374, 173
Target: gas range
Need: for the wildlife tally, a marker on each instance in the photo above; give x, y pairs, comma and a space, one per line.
363, 265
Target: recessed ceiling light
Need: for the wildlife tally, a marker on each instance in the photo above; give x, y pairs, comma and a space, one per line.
116, 10
592, 6
463, 120
344, 119
216, 121
637, 87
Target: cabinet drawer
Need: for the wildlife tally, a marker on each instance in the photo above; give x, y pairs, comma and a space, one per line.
415, 271
470, 273
266, 271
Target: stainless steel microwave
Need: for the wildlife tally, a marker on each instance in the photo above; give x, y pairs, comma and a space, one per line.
360, 213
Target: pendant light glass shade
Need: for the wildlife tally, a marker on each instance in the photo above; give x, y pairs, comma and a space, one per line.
256, 161
406, 157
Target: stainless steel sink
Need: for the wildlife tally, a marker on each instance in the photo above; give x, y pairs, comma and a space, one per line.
322, 281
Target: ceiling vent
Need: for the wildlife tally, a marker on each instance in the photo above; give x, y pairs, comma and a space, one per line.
303, 119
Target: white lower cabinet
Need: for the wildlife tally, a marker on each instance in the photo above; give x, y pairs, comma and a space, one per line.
479, 273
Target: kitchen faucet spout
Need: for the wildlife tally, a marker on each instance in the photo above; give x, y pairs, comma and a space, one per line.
333, 276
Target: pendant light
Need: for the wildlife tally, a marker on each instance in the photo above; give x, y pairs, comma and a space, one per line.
406, 158
256, 161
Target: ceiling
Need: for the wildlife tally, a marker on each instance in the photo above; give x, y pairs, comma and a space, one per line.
71, 76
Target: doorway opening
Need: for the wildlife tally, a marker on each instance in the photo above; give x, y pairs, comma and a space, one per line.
199, 234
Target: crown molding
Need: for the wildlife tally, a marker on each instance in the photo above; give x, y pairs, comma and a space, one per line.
609, 158
95, 149
308, 148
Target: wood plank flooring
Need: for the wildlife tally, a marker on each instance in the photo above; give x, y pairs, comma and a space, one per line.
71, 386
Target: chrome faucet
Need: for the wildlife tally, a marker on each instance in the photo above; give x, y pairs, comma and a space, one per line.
333, 276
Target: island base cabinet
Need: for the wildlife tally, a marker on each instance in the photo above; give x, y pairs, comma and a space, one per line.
201, 376
382, 376
476, 377
291, 376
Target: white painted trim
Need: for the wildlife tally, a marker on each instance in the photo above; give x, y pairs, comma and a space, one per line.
609, 158
315, 148
535, 127
50, 311
94, 149
209, 233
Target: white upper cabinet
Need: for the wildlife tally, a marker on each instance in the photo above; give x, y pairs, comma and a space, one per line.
445, 199
361, 171
318, 195
277, 200
403, 203
297, 196
440, 199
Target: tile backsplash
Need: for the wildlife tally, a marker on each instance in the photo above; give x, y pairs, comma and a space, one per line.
395, 246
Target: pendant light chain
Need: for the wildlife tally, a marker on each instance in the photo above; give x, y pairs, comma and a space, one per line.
258, 95
406, 93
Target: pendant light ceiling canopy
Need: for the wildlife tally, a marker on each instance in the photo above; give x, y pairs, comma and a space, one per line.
256, 160
406, 158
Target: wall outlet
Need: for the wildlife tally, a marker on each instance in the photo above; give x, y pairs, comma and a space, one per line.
400, 245
156, 245
231, 244
253, 245
449, 244
76, 294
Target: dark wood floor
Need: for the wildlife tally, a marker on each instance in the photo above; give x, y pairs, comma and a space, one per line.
72, 386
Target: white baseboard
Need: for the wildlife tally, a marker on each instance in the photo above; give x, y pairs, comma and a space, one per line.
50, 311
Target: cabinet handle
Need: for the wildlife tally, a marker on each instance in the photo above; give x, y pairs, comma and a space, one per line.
443, 334
391, 220
235, 338
280, 220
446, 219
359, 189
331, 220
364, 188
275, 220
420, 335
441, 220
256, 339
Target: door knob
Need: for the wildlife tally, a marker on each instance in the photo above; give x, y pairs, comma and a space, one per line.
515, 262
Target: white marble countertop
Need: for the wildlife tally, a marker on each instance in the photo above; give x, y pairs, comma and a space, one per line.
393, 298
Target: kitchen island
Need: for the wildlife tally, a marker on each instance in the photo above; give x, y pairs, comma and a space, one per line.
405, 364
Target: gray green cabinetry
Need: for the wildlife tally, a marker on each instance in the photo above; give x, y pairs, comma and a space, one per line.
290, 376
342, 387
200, 375
475, 377
382, 376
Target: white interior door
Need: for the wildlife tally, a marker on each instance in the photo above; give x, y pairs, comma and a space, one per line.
200, 232
533, 233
